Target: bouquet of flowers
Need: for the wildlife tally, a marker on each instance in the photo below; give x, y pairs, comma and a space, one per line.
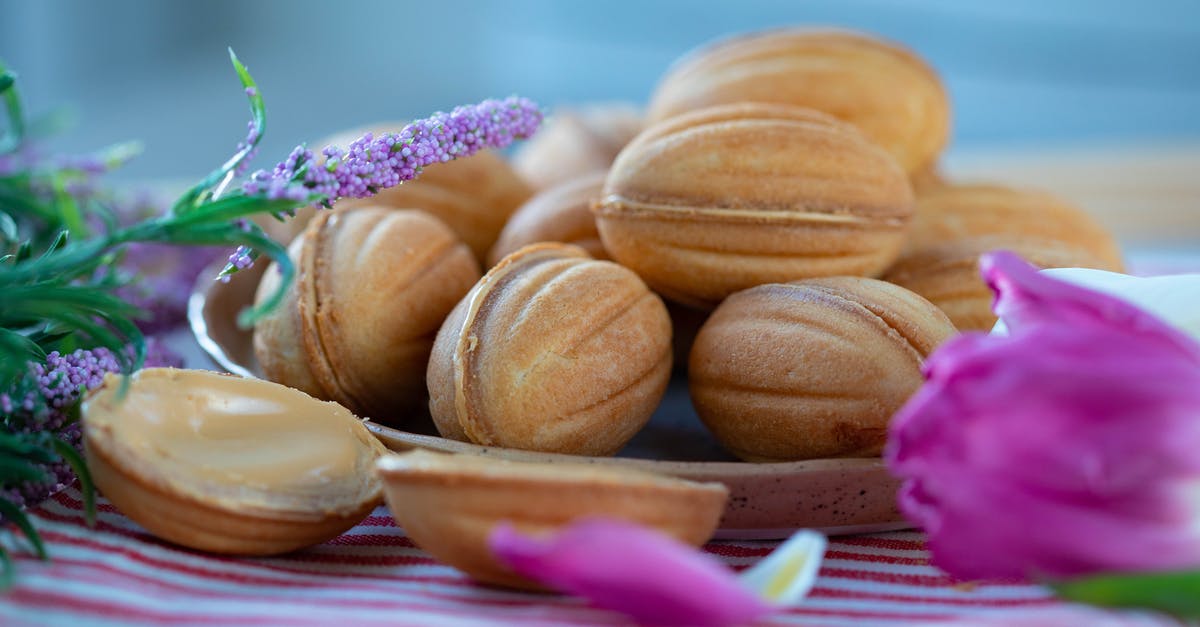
82, 280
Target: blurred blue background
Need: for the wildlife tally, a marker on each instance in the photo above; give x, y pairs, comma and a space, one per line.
1021, 73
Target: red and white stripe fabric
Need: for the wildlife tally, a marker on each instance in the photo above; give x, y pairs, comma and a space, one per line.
116, 574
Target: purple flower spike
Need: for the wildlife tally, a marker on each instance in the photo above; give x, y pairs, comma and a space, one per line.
644, 574
57, 385
1066, 448
370, 163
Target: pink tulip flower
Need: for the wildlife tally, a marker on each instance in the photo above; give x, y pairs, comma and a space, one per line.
1067, 447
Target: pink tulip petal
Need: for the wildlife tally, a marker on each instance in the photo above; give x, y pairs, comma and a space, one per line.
1067, 448
620, 566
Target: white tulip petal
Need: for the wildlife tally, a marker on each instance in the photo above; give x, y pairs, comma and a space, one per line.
1173, 298
787, 575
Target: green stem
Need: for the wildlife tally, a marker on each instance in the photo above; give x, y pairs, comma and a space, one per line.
13, 111
68, 210
70, 258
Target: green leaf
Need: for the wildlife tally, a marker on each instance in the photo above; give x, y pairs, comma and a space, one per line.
74, 261
17, 197
17, 470
16, 351
68, 209
84, 321
12, 109
30, 447
86, 485
49, 334
17, 517
192, 229
8, 227
7, 79
60, 241
231, 208
20, 343
1175, 593
202, 191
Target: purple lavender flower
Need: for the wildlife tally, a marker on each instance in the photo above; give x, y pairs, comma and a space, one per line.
241, 258
280, 183
42, 402
9, 164
252, 135
371, 163
26, 157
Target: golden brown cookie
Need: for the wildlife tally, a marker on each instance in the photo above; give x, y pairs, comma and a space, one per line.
575, 142
882, 88
955, 224
811, 369
711, 202
551, 351
562, 213
373, 286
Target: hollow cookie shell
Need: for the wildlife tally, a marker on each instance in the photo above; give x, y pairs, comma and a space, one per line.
551, 351
719, 200
373, 287
229, 465
449, 504
811, 369
885, 90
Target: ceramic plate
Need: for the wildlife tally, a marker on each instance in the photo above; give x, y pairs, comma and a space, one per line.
767, 501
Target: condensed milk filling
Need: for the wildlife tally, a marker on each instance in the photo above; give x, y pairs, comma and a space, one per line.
222, 436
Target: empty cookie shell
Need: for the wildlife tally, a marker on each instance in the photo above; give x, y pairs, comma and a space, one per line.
449, 504
227, 464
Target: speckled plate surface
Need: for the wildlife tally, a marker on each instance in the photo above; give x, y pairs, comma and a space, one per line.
767, 501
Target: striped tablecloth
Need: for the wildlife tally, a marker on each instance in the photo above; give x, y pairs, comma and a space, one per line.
115, 573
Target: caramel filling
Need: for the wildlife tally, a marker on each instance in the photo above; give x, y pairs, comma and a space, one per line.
246, 435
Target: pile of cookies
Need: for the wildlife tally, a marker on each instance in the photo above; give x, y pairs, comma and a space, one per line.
777, 210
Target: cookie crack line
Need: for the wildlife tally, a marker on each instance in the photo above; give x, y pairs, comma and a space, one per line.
614, 205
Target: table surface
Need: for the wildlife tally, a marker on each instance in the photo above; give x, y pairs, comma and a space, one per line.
117, 574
